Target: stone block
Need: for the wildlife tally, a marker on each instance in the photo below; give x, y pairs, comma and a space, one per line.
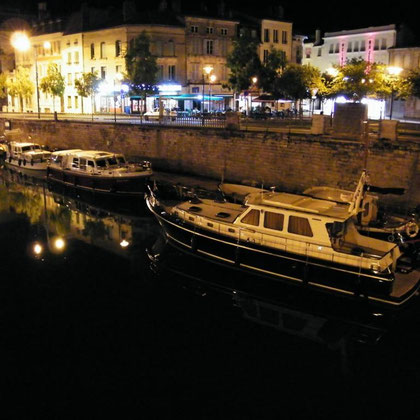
319, 124
388, 129
348, 119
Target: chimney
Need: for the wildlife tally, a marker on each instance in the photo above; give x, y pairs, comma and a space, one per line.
317, 37
221, 8
42, 11
163, 6
280, 12
176, 6
129, 10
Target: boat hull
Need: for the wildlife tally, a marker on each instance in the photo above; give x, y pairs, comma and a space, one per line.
117, 185
278, 265
22, 164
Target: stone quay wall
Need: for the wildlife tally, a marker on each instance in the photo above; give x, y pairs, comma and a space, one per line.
289, 162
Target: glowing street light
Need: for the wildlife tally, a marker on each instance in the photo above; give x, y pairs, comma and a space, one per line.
21, 42
206, 73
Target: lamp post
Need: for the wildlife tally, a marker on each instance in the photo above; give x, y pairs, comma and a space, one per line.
21, 42
212, 79
254, 82
394, 73
117, 81
206, 73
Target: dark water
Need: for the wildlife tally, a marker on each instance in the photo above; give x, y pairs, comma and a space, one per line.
98, 330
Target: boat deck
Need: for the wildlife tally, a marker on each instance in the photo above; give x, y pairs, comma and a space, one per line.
223, 212
404, 282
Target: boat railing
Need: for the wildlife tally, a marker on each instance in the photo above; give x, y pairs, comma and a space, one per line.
289, 245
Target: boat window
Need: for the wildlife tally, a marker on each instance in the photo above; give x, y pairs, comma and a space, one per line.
112, 161
57, 159
83, 164
75, 163
195, 208
121, 159
252, 218
222, 214
101, 163
90, 163
273, 220
300, 226
26, 148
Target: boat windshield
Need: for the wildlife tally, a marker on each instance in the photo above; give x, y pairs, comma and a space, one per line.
31, 147
112, 161
121, 160
101, 163
107, 162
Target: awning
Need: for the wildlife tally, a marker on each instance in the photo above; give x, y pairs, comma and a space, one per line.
269, 98
184, 96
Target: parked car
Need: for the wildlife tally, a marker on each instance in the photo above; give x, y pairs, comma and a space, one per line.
154, 115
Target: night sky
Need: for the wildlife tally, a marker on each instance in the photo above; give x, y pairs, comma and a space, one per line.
306, 16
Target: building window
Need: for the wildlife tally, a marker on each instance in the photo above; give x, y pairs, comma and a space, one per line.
383, 44
117, 48
275, 36
350, 47
376, 47
331, 51
266, 35
76, 57
195, 89
356, 46
68, 58
209, 47
68, 101
265, 56
337, 48
195, 71
284, 37
76, 102
194, 29
171, 48
209, 30
160, 72
102, 52
362, 45
308, 53
69, 79
118, 69
103, 72
92, 51
319, 52
171, 72
223, 31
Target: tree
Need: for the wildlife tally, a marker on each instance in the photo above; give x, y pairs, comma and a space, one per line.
243, 62
141, 66
414, 83
358, 79
53, 83
87, 86
20, 85
299, 82
3, 85
270, 72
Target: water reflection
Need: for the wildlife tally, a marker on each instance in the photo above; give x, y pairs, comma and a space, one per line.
59, 216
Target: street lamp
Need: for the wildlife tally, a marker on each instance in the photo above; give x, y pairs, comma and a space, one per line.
21, 42
394, 73
212, 79
254, 82
206, 73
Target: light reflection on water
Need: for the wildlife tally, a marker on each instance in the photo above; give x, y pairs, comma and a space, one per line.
79, 287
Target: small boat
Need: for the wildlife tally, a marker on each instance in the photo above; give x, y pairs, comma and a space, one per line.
27, 155
98, 171
296, 239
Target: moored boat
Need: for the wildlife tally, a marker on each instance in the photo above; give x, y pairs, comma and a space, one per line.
293, 238
26, 155
98, 171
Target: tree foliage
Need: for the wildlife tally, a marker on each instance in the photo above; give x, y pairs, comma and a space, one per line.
87, 85
20, 85
3, 85
414, 83
270, 72
53, 83
243, 62
141, 66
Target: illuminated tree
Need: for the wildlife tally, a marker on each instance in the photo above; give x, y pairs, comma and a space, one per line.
87, 86
20, 85
53, 83
141, 66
